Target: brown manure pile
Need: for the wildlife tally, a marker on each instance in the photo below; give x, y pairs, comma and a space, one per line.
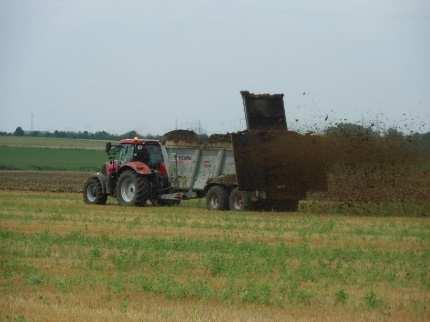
220, 138
183, 137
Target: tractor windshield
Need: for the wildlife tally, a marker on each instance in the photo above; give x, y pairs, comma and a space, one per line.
113, 152
126, 153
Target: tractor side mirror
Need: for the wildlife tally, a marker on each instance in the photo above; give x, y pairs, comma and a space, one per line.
108, 147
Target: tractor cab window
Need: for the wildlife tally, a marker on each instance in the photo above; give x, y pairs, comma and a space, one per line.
126, 153
149, 153
155, 155
141, 153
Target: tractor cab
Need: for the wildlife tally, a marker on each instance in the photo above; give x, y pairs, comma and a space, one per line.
140, 155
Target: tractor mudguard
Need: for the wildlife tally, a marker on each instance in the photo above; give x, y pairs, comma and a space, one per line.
138, 167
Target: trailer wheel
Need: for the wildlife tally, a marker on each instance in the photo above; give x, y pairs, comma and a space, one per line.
240, 200
93, 192
133, 189
217, 198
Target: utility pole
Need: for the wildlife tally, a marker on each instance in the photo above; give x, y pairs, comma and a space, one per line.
32, 121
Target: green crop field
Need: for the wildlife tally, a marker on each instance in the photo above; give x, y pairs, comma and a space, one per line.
38, 153
63, 260
28, 158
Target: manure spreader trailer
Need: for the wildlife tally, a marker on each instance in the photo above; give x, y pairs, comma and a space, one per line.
263, 167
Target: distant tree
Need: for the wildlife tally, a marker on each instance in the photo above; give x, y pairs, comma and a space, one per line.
130, 135
99, 135
103, 135
19, 131
60, 134
350, 129
84, 135
394, 133
420, 140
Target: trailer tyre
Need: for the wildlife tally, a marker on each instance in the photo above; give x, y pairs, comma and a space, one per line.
217, 198
93, 192
133, 189
240, 200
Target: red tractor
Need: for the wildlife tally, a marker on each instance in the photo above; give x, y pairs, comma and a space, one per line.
135, 174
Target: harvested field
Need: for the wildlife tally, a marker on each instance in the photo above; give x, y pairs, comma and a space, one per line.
53, 181
335, 201
64, 260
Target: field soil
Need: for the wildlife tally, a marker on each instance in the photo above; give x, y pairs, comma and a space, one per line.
408, 196
49, 181
63, 260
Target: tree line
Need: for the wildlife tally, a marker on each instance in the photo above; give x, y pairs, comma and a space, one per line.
420, 140
98, 135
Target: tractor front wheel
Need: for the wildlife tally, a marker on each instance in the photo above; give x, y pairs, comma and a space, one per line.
133, 189
93, 192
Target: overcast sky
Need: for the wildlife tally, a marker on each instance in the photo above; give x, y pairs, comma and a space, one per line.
156, 65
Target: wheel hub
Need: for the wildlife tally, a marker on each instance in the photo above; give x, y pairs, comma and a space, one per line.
214, 203
128, 190
92, 192
238, 202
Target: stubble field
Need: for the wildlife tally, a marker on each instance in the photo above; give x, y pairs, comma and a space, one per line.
359, 252
64, 260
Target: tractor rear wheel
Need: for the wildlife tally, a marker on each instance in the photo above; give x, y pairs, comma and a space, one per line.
93, 192
217, 198
240, 200
133, 189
